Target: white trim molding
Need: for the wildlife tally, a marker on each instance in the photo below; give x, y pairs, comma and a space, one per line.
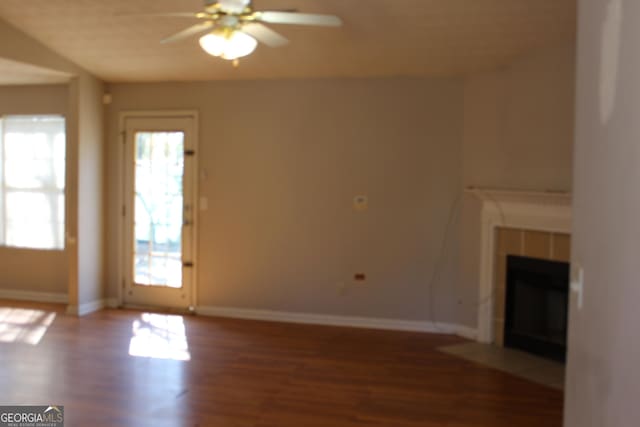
334, 320
549, 212
111, 303
51, 297
121, 271
86, 308
466, 332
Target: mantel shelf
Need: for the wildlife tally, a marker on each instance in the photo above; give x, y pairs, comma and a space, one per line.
539, 198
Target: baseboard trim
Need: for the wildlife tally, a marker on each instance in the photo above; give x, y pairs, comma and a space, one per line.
86, 308
111, 303
34, 296
265, 315
467, 332
333, 320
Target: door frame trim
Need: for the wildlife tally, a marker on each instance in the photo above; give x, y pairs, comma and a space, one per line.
121, 237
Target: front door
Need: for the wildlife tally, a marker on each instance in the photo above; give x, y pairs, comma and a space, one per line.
159, 211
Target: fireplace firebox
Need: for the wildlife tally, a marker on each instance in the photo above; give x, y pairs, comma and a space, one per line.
537, 306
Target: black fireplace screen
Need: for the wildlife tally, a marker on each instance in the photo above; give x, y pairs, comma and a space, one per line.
537, 306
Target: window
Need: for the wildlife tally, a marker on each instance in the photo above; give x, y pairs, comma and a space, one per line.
32, 177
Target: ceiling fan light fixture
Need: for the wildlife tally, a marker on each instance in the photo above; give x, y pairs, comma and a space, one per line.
228, 44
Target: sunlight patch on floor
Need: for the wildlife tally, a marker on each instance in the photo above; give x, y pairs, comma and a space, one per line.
159, 336
19, 325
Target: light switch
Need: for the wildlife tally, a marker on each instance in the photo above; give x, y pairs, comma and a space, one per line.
577, 283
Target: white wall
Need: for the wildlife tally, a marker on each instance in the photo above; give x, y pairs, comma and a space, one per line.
24, 269
90, 213
603, 382
284, 161
518, 127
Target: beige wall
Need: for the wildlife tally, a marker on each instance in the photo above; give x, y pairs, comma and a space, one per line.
280, 232
603, 381
284, 160
518, 134
22, 269
20, 47
518, 126
82, 261
469, 232
33, 99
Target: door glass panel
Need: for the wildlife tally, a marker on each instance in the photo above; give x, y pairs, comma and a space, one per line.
159, 170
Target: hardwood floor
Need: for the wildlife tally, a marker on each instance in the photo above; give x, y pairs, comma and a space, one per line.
251, 374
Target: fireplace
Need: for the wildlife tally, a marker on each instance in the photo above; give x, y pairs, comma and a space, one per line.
536, 309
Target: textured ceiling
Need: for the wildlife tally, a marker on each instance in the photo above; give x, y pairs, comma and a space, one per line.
17, 73
379, 38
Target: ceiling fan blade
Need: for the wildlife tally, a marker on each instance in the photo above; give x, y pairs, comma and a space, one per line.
275, 17
166, 14
290, 10
191, 31
265, 35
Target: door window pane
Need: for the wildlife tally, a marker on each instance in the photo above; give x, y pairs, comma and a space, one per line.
158, 204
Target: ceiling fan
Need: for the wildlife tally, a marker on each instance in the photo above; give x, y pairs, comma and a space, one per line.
233, 28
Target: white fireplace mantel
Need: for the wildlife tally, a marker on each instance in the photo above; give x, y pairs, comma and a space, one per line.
537, 211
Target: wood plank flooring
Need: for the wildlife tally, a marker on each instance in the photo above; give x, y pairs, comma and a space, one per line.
252, 374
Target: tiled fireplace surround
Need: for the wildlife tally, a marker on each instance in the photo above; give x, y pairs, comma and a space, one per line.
528, 243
